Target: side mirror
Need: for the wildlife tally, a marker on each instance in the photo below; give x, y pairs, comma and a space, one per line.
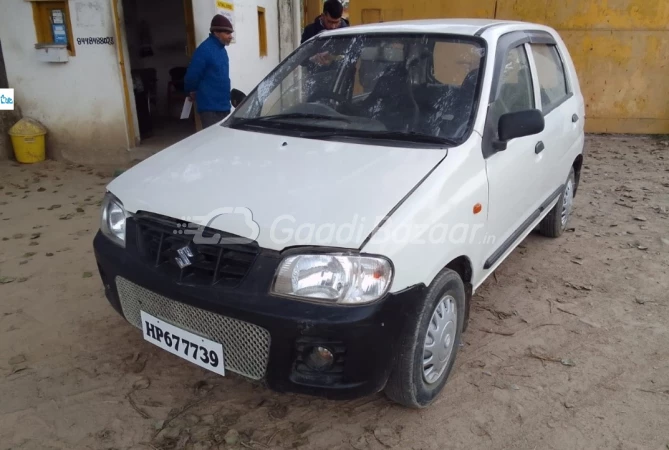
236, 97
518, 124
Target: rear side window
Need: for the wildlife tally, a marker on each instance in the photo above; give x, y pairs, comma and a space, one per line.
551, 74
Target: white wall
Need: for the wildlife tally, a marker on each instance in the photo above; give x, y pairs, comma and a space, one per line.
247, 69
90, 127
289, 31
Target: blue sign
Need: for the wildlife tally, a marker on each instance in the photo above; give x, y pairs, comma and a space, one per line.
59, 33
7, 99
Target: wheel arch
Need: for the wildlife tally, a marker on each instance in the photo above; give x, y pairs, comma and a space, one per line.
577, 165
462, 265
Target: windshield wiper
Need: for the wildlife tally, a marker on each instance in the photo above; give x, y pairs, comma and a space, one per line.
390, 135
278, 117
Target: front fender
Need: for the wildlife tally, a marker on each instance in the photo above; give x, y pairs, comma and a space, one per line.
438, 222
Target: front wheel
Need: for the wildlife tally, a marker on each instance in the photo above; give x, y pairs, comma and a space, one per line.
429, 344
555, 223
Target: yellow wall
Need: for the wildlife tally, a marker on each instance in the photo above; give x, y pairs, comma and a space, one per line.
620, 49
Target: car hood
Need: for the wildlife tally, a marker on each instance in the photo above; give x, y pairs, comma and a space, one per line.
281, 191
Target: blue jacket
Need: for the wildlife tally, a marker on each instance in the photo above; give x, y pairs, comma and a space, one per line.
208, 75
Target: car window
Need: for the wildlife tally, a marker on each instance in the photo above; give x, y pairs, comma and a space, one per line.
515, 86
293, 89
369, 84
551, 74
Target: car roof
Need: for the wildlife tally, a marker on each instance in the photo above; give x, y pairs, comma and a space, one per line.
467, 27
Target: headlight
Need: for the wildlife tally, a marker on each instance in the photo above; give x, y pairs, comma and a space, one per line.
113, 219
334, 278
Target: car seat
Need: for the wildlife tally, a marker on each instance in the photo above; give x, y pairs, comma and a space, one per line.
391, 100
461, 107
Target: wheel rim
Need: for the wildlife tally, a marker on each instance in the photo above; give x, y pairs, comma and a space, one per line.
439, 339
567, 202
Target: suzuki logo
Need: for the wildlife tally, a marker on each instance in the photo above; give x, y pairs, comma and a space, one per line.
184, 254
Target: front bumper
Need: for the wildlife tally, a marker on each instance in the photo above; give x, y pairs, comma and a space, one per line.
264, 336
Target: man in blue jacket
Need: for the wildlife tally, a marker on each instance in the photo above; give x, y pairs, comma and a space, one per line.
208, 76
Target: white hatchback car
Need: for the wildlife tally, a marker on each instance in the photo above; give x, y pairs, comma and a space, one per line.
327, 237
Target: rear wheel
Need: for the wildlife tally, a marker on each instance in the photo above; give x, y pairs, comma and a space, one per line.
555, 223
429, 344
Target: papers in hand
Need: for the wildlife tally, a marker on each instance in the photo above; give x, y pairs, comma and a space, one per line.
185, 111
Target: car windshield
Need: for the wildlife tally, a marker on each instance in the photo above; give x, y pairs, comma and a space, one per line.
368, 85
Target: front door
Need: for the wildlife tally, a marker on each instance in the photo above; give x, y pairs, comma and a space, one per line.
562, 115
514, 174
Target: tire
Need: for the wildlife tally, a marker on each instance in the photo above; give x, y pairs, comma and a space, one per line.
407, 384
555, 223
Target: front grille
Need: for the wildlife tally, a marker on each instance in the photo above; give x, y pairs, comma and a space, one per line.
160, 239
246, 346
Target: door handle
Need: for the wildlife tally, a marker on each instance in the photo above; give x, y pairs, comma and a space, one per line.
539, 147
574, 118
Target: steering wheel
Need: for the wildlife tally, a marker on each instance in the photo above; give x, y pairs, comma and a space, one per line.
333, 97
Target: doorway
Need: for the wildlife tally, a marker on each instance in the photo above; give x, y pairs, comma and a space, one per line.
159, 41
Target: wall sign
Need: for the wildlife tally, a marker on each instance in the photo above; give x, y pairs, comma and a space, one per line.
96, 41
59, 34
7, 99
58, 27
227, 9
57, 16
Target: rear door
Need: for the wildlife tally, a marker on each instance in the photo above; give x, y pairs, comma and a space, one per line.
514, 174
561, 111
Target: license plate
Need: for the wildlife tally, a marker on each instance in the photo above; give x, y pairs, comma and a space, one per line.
191, 347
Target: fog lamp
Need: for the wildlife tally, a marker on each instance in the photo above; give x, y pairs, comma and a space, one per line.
319, 358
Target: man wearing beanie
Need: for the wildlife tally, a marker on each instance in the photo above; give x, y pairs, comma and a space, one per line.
208, 76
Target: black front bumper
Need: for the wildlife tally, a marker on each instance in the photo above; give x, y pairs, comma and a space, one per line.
366, 335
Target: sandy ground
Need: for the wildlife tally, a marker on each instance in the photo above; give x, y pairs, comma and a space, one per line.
568, 346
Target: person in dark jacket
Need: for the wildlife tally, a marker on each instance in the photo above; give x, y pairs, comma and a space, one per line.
208, 76
329, 20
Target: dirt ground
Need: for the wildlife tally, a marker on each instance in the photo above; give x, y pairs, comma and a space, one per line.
568, 345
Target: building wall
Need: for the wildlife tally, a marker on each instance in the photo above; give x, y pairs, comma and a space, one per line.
289, 36
92, 127
247, 68
7, 118
89, 126
620, 49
